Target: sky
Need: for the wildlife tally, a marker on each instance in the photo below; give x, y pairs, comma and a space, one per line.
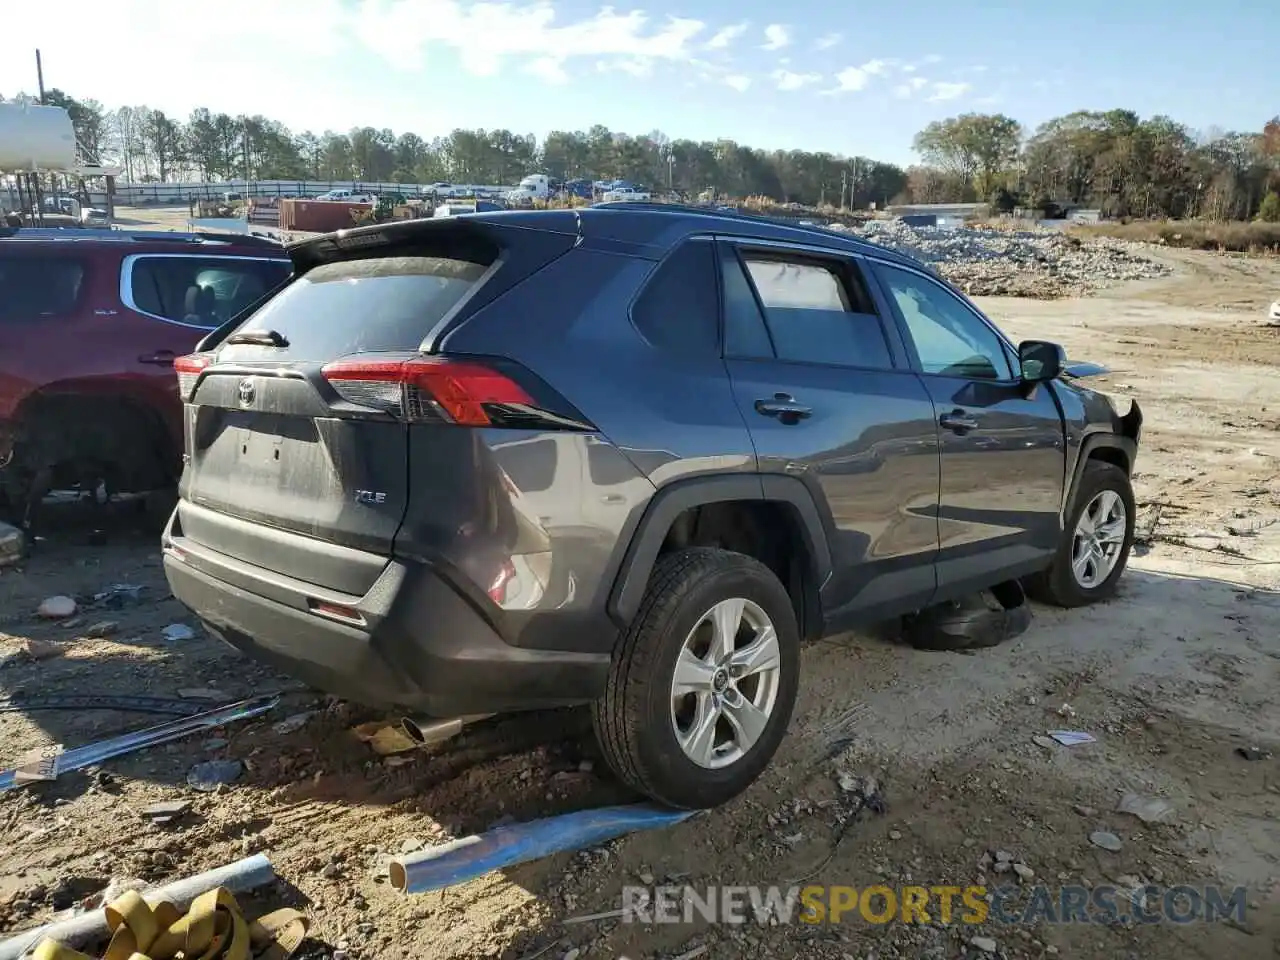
857, 78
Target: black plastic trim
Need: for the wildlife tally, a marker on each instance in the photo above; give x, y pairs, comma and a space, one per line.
669, 502
1097, 441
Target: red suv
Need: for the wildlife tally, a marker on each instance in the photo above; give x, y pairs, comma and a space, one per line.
90, 324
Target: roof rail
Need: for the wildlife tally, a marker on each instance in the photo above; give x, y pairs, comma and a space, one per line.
135, 236
731, 214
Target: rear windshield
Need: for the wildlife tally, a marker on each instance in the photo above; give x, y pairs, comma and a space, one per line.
360, 306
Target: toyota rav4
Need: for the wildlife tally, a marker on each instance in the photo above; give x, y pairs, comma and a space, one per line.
628, 456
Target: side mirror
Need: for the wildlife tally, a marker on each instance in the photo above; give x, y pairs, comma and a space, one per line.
1040, 360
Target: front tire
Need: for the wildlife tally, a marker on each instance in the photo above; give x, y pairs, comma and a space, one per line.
704, 681
1096, 540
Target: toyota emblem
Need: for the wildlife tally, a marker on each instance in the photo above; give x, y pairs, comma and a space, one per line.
247, 392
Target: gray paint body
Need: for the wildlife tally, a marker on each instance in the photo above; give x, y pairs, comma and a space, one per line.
895, 511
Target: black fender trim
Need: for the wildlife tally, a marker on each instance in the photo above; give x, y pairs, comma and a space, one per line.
672, 500
1092, 443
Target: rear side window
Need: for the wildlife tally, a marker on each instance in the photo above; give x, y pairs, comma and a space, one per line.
679, 306
363, 306
38, 288
202, 292
818, 312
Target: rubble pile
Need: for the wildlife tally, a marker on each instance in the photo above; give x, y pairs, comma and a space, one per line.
1045, 264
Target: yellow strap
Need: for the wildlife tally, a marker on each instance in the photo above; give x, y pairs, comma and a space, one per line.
213, 928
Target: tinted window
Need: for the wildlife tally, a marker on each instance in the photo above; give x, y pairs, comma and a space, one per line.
744, 330
38, 288
814, 317
357, 306
201, 291
607, 466
949, 337
531, 466
677, 310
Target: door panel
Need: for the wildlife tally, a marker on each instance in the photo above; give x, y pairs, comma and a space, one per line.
1002, 442
863, 439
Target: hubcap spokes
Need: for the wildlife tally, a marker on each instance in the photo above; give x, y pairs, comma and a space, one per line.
725, 683
1098, 540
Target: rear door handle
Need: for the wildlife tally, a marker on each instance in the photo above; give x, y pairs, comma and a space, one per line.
161, 358
958, 421
784, 407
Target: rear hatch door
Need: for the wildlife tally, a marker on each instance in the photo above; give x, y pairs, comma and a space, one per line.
293, 464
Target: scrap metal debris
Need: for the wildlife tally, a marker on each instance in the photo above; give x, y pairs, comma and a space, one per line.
22, 703
165, 811
94, 753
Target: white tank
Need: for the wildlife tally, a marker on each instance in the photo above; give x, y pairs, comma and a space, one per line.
33, 137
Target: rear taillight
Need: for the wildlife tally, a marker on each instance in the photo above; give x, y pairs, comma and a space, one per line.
188, 369
428, 389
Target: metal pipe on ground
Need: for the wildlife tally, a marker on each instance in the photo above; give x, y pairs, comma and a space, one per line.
425, 731
469, 857
85, 928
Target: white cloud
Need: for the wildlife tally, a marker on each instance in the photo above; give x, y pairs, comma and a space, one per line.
738, 82
776, 37
949, 91
726, 36
910, 86
853, 79
795, 81
827, 41
548, 69
932, 58
486, 34
636, 66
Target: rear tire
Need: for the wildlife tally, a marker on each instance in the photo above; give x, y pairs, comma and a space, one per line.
741, 680
1102, 510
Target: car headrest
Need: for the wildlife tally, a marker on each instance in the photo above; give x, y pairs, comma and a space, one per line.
200, 301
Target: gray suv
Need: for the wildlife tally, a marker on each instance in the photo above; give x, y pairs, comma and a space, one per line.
630, 456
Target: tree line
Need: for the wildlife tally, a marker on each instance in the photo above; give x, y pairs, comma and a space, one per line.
1112, 160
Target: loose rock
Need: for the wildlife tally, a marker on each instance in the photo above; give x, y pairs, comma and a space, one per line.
985, 944
210, 775
1044, 264
1107, 841
56, 608
103, 628
178, 631
13, 545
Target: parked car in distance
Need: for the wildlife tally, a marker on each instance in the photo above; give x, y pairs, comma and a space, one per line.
348, 196
90, 324
440, 190
630, 456
618, 194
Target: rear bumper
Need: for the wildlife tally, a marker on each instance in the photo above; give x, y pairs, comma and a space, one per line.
422, 648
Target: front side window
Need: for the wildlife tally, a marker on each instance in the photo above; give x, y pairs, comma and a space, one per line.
817, 312
950, 339
199, 291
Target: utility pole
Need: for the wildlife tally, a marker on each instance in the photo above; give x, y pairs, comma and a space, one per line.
39, 199
844, 185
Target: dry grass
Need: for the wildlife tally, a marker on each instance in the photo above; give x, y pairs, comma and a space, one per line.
1233, 237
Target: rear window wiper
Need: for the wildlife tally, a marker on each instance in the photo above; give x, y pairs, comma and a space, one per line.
259, 338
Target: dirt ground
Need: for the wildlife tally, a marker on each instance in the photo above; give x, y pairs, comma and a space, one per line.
1171, 678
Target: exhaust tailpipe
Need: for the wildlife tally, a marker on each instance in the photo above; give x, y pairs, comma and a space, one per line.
425, 731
